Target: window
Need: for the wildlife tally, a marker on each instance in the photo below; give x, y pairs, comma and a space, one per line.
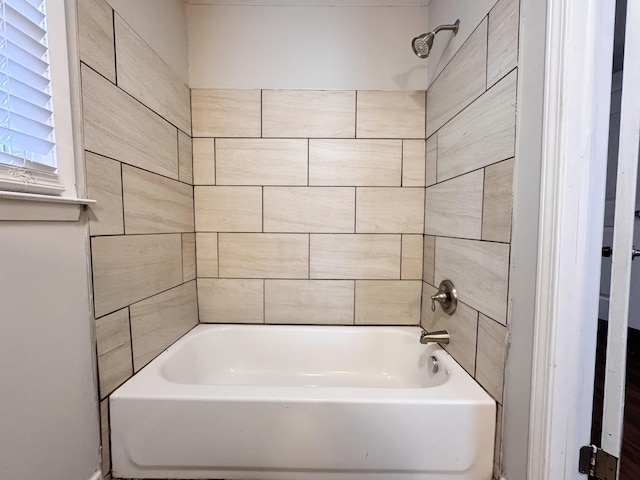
27, 154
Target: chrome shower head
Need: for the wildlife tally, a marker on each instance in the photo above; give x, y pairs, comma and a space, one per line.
422, 45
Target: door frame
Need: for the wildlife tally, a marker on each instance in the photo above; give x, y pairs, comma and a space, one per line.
576, 98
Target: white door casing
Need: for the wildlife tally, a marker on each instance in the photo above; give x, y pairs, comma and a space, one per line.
622, 238
579, 48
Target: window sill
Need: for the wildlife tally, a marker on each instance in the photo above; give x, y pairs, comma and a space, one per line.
16, 206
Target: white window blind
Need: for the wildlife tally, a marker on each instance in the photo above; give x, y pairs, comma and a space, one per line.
26, 123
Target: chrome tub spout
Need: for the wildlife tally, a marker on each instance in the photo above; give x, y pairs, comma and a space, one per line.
441, 336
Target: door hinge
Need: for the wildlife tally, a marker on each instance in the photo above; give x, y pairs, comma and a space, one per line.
597, 463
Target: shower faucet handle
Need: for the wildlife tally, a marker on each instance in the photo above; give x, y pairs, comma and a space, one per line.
447, 296
438, 297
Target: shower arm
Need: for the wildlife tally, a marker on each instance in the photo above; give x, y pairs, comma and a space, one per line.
453, 27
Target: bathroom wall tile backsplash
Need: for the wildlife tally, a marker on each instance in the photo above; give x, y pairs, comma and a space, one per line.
455, 206
482, 134
236, 300
137, 127
385, 302
371, 163
158, 321
308, 113
462, 81
470, 148
119, 127
390, 114
319, 302
95, 32
226, 113
302, 217
143, 75
502, 51
492, 341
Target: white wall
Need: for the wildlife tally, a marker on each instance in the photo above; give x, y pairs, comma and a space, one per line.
445, 45
48, 404
163, 25
305, 47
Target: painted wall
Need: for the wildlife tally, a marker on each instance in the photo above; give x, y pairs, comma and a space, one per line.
48, 414
138, 160
163, 26
470, 157
445, 46
248, 47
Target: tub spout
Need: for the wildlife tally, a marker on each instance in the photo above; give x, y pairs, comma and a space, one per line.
441, 336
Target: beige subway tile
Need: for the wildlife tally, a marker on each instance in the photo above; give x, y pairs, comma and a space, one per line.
104, 184
132, 267
317, 302
207, 254
389, 210
309, 209
479, 270
159, 321
492, 353
267, 255
185, 158
460, 83
308, 113
429, 259
412, 250
432, 160
188, 256
114, 351
481, 135
454, 207
230, 301
502, 50
498, 202
204, 164
386, 114
119, 127
143, 74
261, 161
95, 37
228, 209
388, 302
355, 162
225, 113
355, 256
155, 204
105, 434
462, 327
413, 163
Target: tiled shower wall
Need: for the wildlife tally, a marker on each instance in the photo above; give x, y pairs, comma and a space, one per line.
471, 114
309, 205
137, 133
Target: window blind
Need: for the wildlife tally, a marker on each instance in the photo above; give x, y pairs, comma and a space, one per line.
26, 122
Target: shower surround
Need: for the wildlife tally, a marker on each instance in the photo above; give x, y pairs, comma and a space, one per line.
309, 206
304, 206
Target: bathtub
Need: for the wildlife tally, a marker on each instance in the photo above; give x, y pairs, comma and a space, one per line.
257, 402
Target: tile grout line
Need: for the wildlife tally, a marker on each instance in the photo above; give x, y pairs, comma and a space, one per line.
133, 367
115, 50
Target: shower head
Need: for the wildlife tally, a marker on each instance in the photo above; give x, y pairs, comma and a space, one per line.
422, 45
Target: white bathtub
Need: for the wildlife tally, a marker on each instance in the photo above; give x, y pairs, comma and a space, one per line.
302, 403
